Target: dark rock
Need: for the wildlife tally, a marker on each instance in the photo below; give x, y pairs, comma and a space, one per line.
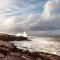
6, 37
6, 46
12, 57
2, 55
8, 51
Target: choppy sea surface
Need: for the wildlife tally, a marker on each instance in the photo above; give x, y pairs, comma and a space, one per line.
44, 44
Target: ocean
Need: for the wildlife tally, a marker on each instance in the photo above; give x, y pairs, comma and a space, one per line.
46, 44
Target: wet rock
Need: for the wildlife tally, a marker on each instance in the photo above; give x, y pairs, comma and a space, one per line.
6, 37
2, 55
12, 57
6, 46
8, 51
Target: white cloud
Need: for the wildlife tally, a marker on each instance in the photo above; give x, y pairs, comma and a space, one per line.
4, 3
9, 23
31, 22
46, 21
15, 7
50, 6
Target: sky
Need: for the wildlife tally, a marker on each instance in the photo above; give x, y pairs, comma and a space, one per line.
29, 15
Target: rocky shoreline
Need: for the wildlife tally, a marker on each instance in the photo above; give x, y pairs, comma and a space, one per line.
8, 51
6, 37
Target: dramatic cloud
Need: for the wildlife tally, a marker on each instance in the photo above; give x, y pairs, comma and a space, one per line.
32, 15
31, 23
49, 7
18, 7
50, 24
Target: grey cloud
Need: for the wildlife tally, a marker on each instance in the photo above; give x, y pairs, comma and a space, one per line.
30, 23
51, 24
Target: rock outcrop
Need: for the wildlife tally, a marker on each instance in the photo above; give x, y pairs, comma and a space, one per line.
8, 51
6, 37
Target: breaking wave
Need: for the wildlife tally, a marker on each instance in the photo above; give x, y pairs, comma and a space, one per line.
43, 44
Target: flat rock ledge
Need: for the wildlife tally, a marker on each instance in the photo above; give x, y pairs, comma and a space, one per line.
8, 51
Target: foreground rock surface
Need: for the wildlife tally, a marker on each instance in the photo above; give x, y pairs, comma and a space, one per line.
8, 51
6, 37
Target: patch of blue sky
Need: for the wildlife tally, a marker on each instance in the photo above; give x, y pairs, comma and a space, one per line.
56, 11
38, 10
25, 7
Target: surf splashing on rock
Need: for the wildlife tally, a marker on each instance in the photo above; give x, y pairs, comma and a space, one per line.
24, 34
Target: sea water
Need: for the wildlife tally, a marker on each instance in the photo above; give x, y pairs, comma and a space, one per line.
43, 44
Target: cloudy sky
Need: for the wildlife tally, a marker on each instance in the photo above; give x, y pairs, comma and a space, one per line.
29, 15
